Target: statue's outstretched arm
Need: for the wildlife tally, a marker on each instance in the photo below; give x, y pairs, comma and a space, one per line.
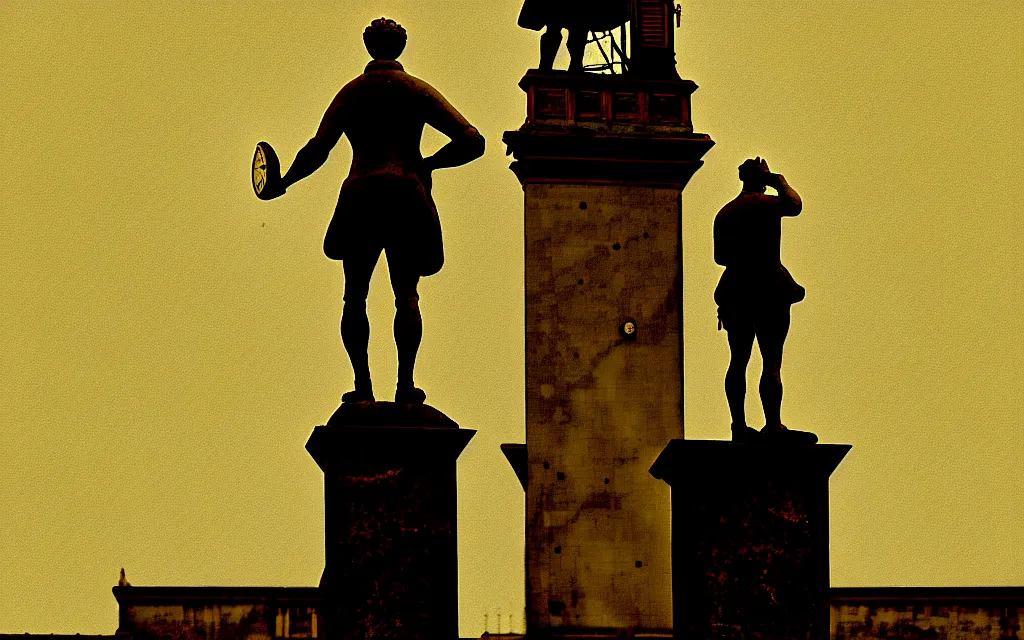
312, 156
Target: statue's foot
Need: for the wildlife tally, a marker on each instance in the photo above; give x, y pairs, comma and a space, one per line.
743, 433
362, 393
408, 394
779, 433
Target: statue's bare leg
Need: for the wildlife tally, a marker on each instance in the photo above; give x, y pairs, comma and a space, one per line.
549, 43
741, 341
772, 328
576, 45
408, 328
355, 326
771, 337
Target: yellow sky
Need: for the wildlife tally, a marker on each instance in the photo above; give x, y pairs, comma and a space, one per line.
169, 341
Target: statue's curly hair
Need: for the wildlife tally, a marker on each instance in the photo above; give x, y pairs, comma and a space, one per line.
751, 171
384, 39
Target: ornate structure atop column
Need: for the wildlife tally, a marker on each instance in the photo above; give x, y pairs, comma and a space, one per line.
602, 160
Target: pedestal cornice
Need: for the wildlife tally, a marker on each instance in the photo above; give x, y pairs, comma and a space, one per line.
689, 458
389, 431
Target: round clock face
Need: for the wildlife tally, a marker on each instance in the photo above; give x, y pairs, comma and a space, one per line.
266, 172
259, 170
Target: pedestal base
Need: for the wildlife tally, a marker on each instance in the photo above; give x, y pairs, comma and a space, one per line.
749, 539
390, 525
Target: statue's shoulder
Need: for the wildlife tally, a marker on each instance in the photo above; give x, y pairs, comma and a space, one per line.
730, 208
373, 78
425, 95
417, 84
746, 201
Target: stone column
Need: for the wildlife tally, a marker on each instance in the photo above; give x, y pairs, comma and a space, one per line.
749, 538
603, 160
390, 522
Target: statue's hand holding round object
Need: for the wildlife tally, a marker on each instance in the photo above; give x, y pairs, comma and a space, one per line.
266, 172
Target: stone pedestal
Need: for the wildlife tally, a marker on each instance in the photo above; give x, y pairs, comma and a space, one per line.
390, 527
749, 539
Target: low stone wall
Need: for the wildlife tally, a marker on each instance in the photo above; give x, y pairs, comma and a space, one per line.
953, 613
271, 613
217, 613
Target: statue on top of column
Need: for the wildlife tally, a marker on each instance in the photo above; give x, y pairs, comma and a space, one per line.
579, 17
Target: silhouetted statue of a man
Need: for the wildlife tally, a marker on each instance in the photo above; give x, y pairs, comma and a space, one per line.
755, 294
385, 203
579, 17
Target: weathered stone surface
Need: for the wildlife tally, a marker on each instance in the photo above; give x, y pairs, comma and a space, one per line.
390, 530
749, 538
601, 403
602, 160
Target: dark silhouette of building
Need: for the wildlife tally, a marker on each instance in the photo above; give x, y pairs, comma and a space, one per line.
264, 613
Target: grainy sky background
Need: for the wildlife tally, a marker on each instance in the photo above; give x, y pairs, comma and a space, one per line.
169, 341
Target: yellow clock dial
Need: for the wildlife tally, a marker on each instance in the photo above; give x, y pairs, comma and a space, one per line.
266, 172
259, 170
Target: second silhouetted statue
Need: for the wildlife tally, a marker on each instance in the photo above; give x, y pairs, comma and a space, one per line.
755, 294
386, 203
579, 17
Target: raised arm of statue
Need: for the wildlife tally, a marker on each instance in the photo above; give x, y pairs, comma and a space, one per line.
790, 203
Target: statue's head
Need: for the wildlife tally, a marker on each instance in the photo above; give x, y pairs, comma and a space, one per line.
384, 39
754, 174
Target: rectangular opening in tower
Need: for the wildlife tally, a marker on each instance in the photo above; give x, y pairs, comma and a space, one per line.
654, 23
